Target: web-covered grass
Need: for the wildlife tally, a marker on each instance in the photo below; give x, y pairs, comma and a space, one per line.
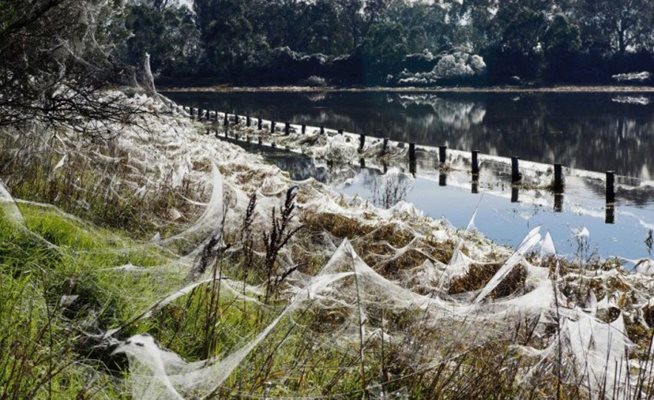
240, 283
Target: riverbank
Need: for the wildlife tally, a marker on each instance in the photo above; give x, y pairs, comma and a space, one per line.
392, 89
216, 275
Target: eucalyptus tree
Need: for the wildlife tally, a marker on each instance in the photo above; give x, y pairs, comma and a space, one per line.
617, 25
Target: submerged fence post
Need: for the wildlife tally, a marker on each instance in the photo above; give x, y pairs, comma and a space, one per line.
322, 130
516, 177
226, 119
272, 126
287, 129
475, 162
385, 146
304, 129
362, 142
247, 121
340, 131
216, 111
610, 197
442, 154
260, 124
559, 186
412, 152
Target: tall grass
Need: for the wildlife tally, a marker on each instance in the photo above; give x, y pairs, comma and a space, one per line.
60, 291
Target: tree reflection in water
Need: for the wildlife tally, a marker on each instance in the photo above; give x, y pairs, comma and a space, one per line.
387, 189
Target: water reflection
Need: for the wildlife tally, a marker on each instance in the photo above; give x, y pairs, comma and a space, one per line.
388, 189
597, 132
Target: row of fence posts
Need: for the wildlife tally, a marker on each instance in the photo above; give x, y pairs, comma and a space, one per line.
558, 184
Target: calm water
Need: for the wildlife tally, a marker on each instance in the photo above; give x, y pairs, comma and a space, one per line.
591, 131
500, 218
595, 132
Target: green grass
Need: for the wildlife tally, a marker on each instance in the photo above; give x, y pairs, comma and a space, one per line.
42, 342
44, 346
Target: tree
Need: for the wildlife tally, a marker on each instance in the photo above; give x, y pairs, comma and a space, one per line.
169, 34
230, 45
383, 50
57, 59
518, 51
616, 25
560, 44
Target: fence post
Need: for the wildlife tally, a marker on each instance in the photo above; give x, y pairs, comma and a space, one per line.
260, 124
340, 131
272, 126
516, 177
362, 142
322, 130
442, 154
558, 178
247, 121
287, 129
610, 187
475, 162
226, 119
412, 152
304, 129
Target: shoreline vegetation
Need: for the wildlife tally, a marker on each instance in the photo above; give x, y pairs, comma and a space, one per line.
392, 89
142, 257
163, 263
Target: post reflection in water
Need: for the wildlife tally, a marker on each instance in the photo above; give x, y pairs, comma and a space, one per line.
610, 214
558, 202
515, 194
442, 179
475, 184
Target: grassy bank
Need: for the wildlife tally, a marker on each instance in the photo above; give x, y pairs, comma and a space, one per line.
166, 264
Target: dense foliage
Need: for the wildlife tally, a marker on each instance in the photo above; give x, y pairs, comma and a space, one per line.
386, 41
57, 60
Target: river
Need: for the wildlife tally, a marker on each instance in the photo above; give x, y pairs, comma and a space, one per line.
587, 131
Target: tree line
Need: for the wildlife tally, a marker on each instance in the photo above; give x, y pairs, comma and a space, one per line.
370, 42
87, 43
